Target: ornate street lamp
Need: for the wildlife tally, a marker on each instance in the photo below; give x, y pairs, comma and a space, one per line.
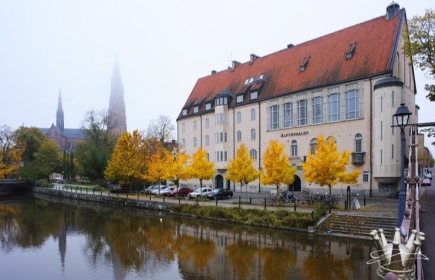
402, 117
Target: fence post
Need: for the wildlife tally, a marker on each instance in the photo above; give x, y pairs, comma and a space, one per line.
216, 200
250, 200
264, 203
364, 200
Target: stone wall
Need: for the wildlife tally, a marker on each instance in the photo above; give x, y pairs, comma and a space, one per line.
60, 195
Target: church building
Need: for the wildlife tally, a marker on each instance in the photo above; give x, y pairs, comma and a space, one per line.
346, 85
67, 138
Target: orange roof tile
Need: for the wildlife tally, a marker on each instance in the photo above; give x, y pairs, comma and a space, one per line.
375, 40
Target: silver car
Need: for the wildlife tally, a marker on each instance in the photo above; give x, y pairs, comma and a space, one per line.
199, 192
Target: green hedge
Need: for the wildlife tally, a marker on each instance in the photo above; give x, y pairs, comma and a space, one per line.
270, 218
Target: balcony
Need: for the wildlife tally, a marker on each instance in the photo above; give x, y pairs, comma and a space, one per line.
358, 158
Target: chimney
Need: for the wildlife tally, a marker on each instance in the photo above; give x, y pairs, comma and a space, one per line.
235, 63
392, 10
290, 46
252, 57
213, 72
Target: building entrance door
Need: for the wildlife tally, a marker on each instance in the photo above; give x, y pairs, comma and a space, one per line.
219, 182
296, 186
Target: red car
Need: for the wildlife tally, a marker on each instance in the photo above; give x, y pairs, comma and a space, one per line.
182, 191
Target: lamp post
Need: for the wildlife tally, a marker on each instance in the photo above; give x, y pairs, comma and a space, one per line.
402, 117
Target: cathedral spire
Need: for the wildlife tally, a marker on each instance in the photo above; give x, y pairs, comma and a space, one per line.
59, 114
117, 116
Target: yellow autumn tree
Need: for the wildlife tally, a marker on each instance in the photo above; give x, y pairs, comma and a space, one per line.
276, 166
127, 162
180, 170
241, 170
327, 166
200, 167
160, 166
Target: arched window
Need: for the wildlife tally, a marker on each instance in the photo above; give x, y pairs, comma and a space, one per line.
333, 139
313, 146
253, 134
294, 148
183, 127
195, 142
194, 125
239, 117
207, 140
239, 136
207, 123
253, 154
253, 114
358, 143
183, 143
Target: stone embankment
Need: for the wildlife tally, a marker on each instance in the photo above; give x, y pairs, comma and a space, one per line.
377, 214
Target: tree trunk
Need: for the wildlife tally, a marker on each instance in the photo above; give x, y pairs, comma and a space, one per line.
330, 198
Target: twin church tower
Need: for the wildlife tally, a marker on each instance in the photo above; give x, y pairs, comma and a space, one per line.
67, 138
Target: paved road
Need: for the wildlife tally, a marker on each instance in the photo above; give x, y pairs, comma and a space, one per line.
427, 225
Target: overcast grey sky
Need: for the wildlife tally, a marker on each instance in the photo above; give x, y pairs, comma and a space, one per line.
163, 47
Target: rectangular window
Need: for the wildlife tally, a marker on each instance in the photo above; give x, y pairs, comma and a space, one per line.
195, 109
274, 117
393, 119
352, 111
365, 178
254, 95
208, 106
288, 114
317, 110
382, 104
382, 157
392, 98
302, 112
334, 107
392, 151
253, 114
184, 112
382, 130
239, 98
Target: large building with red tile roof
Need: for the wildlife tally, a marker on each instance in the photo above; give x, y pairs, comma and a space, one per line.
346, 85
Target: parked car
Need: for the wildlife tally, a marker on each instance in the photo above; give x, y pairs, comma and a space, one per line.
167, 190
182, 191
428, 176
150, 189
219, 194
426, 182
158, 190
199, 192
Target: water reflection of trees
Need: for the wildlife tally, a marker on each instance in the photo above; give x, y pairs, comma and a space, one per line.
142, 243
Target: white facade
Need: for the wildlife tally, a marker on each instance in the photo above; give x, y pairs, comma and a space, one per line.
358, 113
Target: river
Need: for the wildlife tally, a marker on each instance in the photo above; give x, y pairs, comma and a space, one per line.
41, 239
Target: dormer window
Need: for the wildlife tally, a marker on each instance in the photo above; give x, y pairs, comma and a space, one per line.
239, 98
184, 113
221, 101
254, 95
304, 64
207, 106
195, 109
350, 51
